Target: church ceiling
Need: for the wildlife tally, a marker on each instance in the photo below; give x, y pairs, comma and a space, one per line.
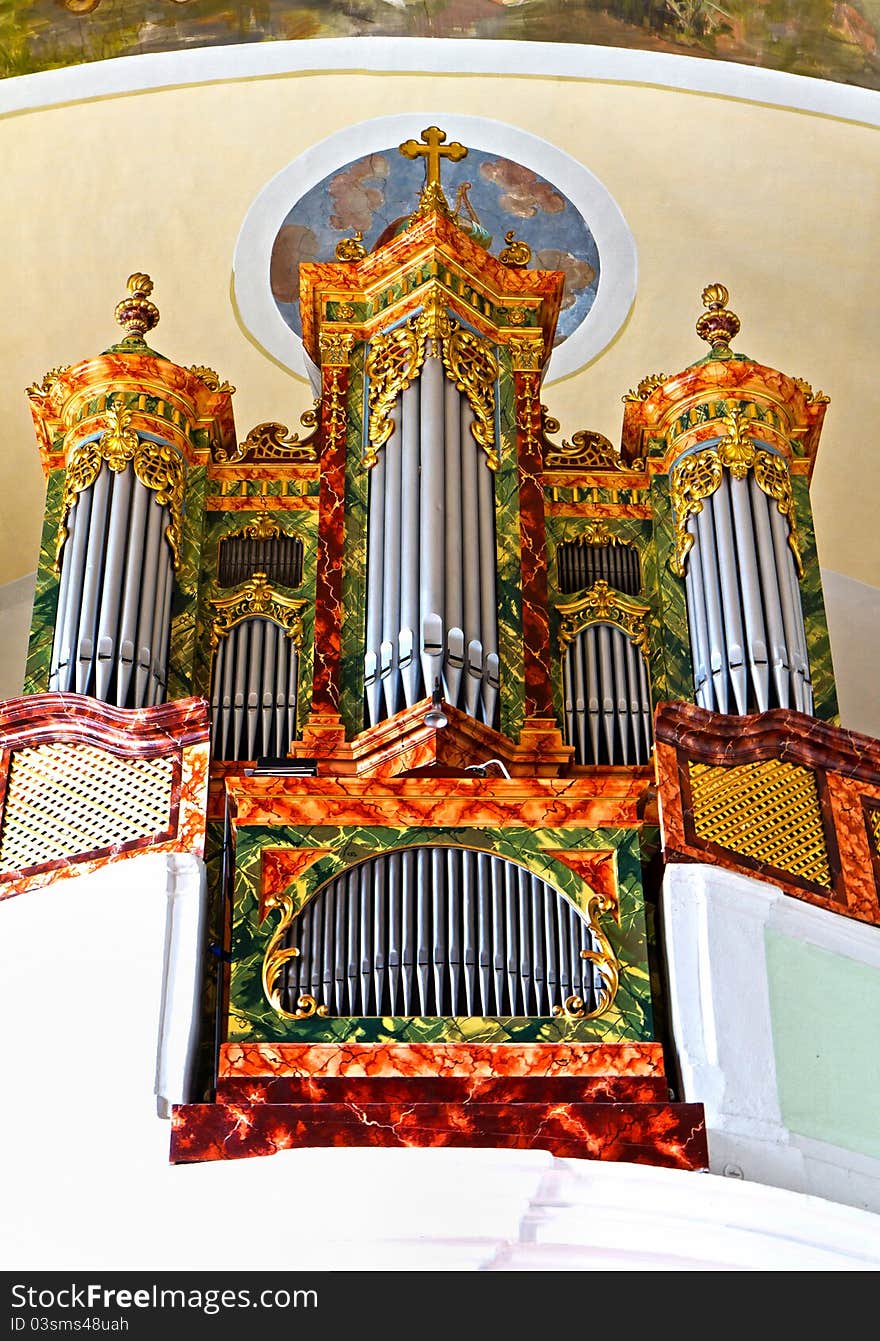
822, 39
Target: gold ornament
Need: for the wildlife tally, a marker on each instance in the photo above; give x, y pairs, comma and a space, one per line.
586, 451
433, 150
645, 387
136, 313
158, 467
737, 450
393, 362
527, 352
257, 599
471, 364
517, 253
774, 480
693, 479
602, 605
605, 961
271, 442
810, 396
717, 326
351, 249
335, 348
48, 388
277, 956
212, 380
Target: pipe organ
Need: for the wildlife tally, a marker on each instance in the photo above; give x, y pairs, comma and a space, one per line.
432, 637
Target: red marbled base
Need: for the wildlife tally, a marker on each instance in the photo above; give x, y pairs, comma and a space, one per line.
444, 1089
665, 1135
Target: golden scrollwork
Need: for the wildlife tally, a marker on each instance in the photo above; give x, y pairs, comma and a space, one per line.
517, 253
393, 362
773, 479
158, 467
548, 423
264, 528
396, 358
698, 476
47, 388
597, 533
602, 605
471, 364
645, 387
277, 955
272, 442
336, 347
605, 960
810, 396
351, 248
257, 598
586, 451
212, 380
527, 352
693, 479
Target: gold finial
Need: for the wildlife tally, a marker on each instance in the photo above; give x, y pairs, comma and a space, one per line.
351, 248
516, 253
433, 150
717, 326
136, 313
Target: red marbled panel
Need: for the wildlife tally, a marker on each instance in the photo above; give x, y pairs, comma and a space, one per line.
533, 547
331, 528
445, 1089
665, 1135
468, 1060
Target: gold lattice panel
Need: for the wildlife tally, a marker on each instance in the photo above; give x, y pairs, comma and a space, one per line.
66, 800
766, 811
873, 816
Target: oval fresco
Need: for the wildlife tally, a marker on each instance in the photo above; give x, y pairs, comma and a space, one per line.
489, 196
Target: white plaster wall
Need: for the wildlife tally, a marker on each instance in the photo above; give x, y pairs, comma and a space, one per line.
729, 1059
87, 1184
16, 605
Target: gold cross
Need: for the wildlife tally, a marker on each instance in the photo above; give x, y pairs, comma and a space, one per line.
433, 149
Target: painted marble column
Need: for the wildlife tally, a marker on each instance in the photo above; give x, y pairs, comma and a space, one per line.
527, 358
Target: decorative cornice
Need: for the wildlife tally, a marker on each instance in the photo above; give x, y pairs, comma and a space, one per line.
257, 599
602, 605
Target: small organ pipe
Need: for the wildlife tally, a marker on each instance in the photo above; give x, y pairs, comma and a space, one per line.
621, 698
750, 591
92, 580
271, 634
111, 591
593, 688
407, 648
156, 522
432, 541
376, 570
730, 578
708, 559
453, 545
488, 569
699, 630
778, 650
64, 607
409, 948
393, 452
134, 568
254, 686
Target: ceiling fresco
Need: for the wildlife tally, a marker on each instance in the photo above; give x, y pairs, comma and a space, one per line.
490, 197
827, 39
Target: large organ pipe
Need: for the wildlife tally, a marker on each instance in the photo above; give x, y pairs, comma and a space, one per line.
744, 608
431, 559
440, 931
115, 594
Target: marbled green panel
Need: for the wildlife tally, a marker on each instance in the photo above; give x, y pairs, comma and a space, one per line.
184, 606
672, 672
300, 523
629, 530
42, 635
354, 563
815, 621
252, 1018
510, 636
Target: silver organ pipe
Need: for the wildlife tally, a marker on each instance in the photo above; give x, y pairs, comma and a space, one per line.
431, 558
607, 698
744, 609
580, 563
440, 931
113, 619
253, 692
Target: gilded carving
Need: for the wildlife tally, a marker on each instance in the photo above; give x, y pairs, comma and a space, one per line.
602, 605
136, 313
516, 253
48, 387
527, 352
471, 364
645, 387
264, 528
336, 347
158, 467
256, 598
351, 248
810, 396
277, 955
586, 451
605, 961
212, 380
393, 362
693, 479
271, 442
773, 479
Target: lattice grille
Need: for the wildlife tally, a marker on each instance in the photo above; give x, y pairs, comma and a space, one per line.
767, 811
872, 814
71, 799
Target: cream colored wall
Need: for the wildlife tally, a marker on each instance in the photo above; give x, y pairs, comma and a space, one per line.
780, 205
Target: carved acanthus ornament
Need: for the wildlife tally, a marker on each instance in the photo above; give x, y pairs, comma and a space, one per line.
277, 955
48, 388
264, 528
645, 387
602, 605
698, 476
396, 358
158, 467
605, 960
209, 378
257, 599
586, 451
527, 352
274, 442
810, 396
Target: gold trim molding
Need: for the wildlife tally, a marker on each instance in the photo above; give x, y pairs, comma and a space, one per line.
602, 605
158, 467
277, 956
257, 599
698, 476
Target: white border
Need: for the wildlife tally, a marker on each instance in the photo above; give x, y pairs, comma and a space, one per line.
614, 241
439, 55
